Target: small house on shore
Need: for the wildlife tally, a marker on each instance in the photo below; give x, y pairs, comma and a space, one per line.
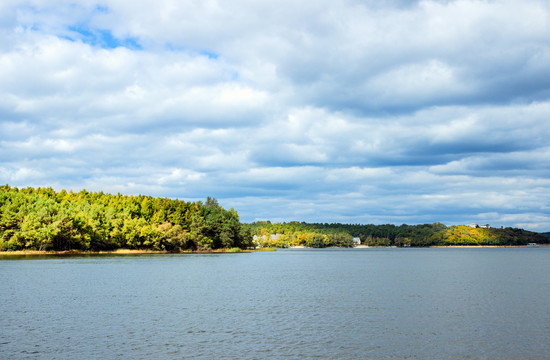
474, 225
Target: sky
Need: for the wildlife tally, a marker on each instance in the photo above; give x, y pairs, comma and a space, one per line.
371, 112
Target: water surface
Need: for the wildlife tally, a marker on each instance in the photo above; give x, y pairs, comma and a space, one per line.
485, 303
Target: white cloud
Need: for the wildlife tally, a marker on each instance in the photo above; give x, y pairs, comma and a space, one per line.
393, 111
20, 175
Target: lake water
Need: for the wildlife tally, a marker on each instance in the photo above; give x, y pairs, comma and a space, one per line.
486, 303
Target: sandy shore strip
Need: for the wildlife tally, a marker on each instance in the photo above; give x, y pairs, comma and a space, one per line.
114, 252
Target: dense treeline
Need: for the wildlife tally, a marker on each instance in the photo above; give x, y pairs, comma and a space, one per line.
42, 219
437, 234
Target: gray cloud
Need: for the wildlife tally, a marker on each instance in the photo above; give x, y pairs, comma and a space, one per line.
371, 112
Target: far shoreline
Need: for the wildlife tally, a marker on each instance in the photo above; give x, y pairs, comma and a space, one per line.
421, 247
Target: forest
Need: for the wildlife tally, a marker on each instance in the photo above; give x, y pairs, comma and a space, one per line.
288, 234
43, 219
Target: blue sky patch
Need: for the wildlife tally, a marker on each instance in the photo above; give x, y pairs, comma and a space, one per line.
103, 38
209, 54
101, 9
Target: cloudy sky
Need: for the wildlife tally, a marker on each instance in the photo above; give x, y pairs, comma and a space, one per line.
353, 111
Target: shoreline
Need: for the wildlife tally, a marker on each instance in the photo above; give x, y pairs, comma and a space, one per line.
488, 246
117, 252
423, 247
226, 251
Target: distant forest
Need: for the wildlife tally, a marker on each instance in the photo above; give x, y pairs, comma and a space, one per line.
43, 219
323, 235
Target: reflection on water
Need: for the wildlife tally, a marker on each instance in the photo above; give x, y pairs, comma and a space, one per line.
322, 304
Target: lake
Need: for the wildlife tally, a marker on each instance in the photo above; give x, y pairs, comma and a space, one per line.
436, 303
